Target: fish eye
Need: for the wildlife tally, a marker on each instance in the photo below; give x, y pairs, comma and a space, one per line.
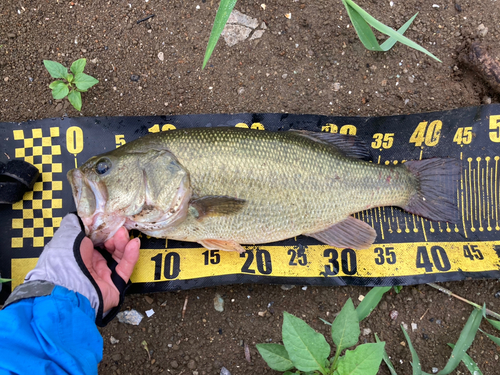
103, 166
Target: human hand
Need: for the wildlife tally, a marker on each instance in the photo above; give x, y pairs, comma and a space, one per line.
70, 260
124, 251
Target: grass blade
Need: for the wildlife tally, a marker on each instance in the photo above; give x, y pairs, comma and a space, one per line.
377, 25
371, 301
363, 29
389, 43
495, 339
417, 369
223, 13
469, 363
386, 358
464, 341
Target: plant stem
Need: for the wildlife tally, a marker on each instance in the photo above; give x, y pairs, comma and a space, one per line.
450, 293
335, 359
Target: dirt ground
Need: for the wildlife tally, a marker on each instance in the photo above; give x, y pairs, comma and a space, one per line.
310, 63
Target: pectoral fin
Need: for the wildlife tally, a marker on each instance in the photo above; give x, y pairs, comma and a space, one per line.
212, 205
351, 233
222, 245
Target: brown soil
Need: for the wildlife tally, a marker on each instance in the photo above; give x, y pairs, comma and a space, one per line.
311, 63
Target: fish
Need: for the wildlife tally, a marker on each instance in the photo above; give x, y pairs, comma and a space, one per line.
227, 187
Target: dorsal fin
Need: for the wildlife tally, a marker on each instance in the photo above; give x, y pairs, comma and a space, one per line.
350, 145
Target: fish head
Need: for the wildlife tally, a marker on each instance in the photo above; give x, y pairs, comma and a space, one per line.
117, 188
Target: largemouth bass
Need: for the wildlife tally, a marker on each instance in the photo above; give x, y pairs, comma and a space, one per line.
223, 187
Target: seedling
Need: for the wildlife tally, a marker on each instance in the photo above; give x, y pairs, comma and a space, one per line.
307, 350
363, 22
74, 83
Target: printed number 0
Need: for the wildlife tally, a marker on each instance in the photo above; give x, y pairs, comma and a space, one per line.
74, 140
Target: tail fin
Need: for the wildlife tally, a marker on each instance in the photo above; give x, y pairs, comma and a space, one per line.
437, 189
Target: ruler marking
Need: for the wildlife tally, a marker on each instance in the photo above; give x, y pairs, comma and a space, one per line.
423, 228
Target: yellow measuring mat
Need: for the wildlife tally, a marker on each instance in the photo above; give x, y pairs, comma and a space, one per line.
408, 249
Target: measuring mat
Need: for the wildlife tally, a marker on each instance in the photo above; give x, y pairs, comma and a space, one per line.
408, 248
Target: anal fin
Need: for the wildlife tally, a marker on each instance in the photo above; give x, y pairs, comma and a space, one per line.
226, 245
351, 233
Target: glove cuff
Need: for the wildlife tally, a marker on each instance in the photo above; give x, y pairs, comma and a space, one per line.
30, 289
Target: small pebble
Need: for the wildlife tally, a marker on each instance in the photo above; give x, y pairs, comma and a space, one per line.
438, 322
394, 314
134, 77
497, 294
224, 371
366, 331
113, 341
435, 370
218, 303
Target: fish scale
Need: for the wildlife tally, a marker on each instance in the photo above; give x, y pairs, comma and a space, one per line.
223, 187
289, 182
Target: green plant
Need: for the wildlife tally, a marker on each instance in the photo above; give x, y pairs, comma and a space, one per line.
361, 20
75, 82
307, 350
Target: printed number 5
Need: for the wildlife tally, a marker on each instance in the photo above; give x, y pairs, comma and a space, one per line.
120, 140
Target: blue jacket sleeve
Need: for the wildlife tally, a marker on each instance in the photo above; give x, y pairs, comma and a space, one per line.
54, 334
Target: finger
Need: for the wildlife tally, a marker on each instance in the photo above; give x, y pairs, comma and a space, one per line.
130, 257
118, 241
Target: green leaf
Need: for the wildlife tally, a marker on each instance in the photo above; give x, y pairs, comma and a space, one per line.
69, 78
4, 280
387, 360
84, 81
417, 369
307, 349
54, 84
495, 339
464, 341
78, 66
362, 21
371, 301
345, 327
469, 363
60, 91
275, 356
223, 13
494, 323
398, 288
75, 98
364, 360
55, 69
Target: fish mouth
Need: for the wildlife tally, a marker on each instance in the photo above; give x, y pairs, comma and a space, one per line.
90, 199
